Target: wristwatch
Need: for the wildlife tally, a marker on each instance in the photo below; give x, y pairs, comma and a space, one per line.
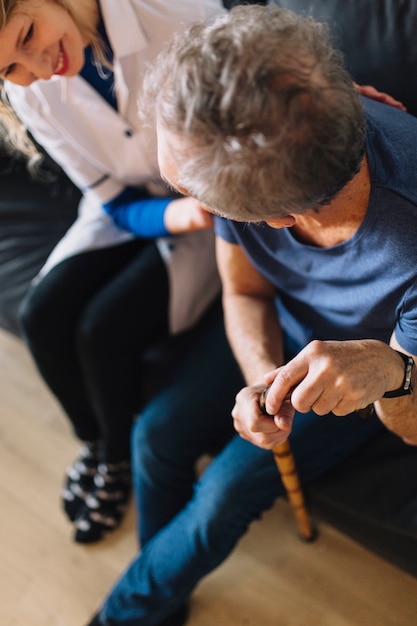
407, 386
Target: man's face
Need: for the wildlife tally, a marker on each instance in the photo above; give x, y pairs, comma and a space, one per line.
171, 147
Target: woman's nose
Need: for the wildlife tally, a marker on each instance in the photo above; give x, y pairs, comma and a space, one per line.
39, 64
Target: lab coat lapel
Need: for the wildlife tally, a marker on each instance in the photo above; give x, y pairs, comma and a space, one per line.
127, 38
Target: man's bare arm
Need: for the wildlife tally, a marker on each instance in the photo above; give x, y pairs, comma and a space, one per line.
250, 316
255, 336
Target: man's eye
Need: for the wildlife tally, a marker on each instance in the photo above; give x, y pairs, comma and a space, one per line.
29, 34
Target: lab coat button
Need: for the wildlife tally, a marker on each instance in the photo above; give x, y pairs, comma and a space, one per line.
129, 132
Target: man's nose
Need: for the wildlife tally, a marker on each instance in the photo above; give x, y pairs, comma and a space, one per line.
281, 222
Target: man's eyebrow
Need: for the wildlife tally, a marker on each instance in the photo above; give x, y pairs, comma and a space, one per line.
3, 70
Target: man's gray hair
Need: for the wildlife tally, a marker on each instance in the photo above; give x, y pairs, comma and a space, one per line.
266, 102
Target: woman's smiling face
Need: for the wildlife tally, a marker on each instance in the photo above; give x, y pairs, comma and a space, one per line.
40, 39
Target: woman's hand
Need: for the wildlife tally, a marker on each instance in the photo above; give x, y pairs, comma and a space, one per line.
186, 215
371, 92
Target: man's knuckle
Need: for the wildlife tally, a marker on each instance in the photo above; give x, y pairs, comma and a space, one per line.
316, 347
284, 378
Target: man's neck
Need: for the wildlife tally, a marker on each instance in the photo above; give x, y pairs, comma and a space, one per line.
334, 223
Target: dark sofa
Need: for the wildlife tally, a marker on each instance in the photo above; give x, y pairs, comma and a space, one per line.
373, 496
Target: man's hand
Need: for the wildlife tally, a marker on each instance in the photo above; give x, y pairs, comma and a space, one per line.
335, 376
186, 215
264, 431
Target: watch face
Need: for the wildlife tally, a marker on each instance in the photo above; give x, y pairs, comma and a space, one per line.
408, 381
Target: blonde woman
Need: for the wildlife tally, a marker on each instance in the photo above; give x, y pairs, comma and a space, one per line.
137, 264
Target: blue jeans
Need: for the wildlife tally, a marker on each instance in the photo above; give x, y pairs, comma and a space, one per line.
189, 525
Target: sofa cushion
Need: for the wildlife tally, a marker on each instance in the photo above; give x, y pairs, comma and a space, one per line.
373, 498
34, 214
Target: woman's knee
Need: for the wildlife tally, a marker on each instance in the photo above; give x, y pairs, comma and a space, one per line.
100, 329
36, 313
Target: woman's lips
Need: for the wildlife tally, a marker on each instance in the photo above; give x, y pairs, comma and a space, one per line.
61, 65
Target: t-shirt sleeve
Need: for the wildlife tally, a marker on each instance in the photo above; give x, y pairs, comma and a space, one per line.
224, 229
406, 327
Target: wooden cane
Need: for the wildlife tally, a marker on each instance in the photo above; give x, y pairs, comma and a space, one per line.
285, 462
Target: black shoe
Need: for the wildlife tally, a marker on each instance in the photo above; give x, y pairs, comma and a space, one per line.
178, 618
95, 621
106, 504
79, 480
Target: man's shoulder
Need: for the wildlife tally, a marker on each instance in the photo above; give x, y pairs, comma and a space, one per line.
391, 146
389, 121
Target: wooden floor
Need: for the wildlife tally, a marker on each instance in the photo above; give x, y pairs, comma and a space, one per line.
272, 579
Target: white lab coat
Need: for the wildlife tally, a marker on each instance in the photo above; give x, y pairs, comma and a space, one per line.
91, 141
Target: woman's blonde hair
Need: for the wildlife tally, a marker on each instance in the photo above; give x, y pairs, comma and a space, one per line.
15, 133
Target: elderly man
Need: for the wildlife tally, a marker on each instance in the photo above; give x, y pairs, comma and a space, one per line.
316, 195
260, 122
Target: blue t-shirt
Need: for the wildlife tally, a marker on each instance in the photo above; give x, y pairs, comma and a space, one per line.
365, 287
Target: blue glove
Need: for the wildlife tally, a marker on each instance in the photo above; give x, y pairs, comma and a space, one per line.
134, 210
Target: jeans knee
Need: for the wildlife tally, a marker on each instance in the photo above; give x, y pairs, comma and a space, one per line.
146, 439
236, 495
223, 511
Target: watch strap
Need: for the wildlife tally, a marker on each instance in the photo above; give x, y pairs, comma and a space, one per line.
407, 386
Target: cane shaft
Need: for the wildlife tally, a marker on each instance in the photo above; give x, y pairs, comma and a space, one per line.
286, 466
288, 472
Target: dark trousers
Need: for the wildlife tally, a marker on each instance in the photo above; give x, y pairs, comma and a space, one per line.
86, 324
